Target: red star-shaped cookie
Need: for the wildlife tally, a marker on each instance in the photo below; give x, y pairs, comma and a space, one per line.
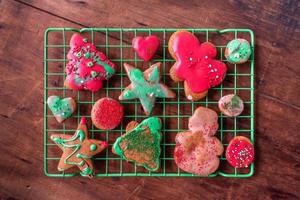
78, 149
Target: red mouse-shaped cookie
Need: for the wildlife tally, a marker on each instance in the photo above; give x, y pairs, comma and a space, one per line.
195, 64
145, 47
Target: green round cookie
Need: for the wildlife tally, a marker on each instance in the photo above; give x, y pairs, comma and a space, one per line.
238, 51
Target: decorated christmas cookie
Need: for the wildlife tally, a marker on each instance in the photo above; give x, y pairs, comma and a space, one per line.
145, 47
78, 149
240, 152
197, 150
238, 51
141, 143
145, 86
107, 113
231, 105
87, 67
195, 64
61, 108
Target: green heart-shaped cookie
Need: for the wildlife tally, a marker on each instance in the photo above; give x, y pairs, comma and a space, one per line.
61, 108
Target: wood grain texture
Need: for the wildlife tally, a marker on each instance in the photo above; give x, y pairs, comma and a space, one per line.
276, 25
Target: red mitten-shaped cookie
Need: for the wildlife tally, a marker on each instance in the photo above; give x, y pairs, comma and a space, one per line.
197, 150
87, 67
195, 64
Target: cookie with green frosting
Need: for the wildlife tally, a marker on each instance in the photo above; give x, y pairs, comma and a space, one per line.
238, 51
141, 143
61, 108
78, 149
231, 105
145, 86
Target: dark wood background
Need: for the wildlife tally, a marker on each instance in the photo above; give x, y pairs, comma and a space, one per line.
277, 90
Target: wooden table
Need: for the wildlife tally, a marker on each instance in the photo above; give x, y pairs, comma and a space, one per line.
277, 90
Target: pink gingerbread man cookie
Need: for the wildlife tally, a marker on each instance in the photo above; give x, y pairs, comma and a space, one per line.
195, 64
197, 150
87, 67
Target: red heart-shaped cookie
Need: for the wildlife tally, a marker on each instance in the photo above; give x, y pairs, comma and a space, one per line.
145, 47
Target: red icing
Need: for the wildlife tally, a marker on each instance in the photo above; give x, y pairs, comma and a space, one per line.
107, 113
195, 62
79, 74
105, 144
240, 152
83, 121
145, 47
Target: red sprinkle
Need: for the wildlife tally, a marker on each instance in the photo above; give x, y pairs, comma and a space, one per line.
107, 113
240, 152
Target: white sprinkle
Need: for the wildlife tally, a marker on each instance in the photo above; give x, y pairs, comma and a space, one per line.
209, 65
212, 70
88, 46
190, 97
216, 70
191, 59
206, 57
236, 55
81, 81
217, 76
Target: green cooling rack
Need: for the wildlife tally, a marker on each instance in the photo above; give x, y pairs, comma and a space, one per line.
116, 44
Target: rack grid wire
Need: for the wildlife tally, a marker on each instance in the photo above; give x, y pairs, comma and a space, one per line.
173, 112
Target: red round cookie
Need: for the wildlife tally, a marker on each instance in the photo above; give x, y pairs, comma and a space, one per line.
240, 152
107, 113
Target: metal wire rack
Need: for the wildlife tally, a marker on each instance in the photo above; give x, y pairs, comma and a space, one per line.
116, 44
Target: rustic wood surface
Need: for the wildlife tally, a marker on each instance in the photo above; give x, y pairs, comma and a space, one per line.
277, 89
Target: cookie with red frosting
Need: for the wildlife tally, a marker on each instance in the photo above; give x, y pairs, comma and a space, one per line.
240, 152
87, 67
197, 149
107, 113
145, 47
195, 64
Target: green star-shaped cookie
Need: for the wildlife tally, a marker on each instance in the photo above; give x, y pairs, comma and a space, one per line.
145, 86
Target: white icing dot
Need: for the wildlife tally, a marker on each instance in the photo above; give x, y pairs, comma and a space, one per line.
190, 97
216, 70
209, 65
206, 57
212, 70
88, 46
217, 76
191, 59
236, 55
81, 81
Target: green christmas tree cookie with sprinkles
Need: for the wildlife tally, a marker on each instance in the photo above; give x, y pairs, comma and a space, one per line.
141, 143
78, 149
145, 86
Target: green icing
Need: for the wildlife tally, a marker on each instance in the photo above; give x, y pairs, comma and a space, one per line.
86, 171
141, 143
154, 76
239, 50
61, 107
94, 74
145, 90
87, 55
235, 102
90, 64
79, 135
109, 70
93, 147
